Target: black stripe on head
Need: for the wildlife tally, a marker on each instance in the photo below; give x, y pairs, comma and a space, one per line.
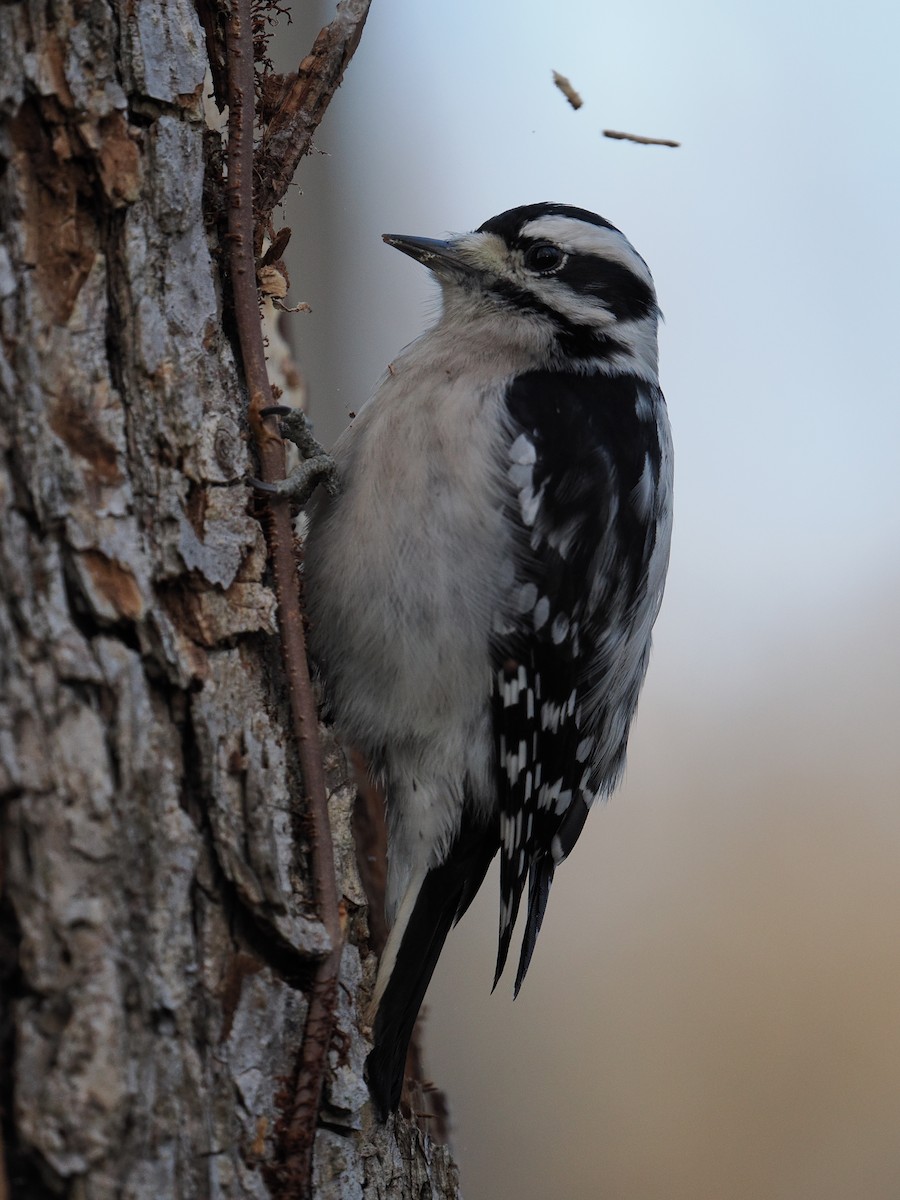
576, 341
626, 296
509, 224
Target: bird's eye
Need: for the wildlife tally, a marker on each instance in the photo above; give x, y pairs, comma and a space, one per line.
544, 258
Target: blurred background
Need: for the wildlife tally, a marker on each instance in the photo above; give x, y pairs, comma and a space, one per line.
713, 1011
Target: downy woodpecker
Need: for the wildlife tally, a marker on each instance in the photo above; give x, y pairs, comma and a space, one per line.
482, 589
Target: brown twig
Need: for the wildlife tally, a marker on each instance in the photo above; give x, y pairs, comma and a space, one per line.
567, 90
639, 138
294, 1169
288, 135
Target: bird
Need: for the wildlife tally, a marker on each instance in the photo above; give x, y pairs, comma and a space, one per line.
482, 582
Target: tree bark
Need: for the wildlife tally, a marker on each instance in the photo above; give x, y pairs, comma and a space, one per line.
156, 934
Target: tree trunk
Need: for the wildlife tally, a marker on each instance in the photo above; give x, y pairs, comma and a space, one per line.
156, 931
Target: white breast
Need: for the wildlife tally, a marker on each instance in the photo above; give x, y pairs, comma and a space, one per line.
403, 566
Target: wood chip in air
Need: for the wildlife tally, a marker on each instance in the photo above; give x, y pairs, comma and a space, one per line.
639, 137
567, 90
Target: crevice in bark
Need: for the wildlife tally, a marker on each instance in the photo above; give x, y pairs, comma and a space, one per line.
22, 1174
190, 792
82, 614
116, 317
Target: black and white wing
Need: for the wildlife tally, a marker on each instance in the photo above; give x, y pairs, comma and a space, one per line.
589, 472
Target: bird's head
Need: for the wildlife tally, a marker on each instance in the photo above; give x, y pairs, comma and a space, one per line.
562, 277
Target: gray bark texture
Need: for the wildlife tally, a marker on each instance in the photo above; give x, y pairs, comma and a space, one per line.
156, 926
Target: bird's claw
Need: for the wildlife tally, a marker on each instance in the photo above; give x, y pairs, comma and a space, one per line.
317, 466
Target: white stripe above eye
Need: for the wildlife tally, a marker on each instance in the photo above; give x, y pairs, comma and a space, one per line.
579, 237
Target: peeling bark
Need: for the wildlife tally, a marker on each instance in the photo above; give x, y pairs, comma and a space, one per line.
156, 935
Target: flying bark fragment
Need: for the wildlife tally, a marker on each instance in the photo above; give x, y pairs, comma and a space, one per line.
567, 90
639, 138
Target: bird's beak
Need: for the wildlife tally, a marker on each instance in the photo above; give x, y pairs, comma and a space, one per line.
439, 256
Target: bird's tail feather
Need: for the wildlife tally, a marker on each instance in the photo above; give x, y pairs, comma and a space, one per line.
412, 951
539, 879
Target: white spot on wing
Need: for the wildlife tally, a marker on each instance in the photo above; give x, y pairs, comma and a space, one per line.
529, 503
526, 597
541, 612
644, 491
559, 628
522, 450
